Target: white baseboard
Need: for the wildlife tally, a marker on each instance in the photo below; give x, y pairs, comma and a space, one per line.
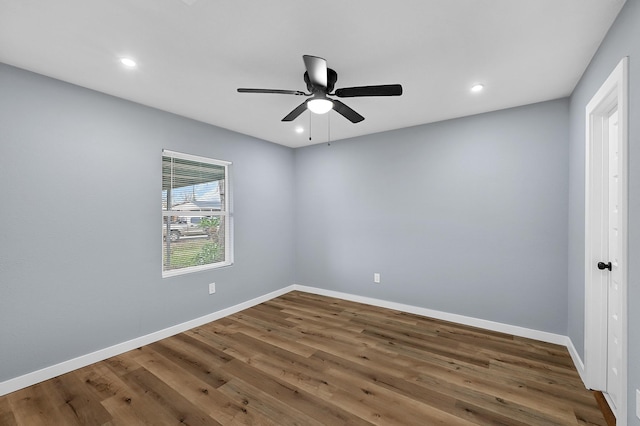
47, 373
577, 361
543, 336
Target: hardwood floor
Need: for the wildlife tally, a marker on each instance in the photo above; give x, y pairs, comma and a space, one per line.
609, 417
303, 359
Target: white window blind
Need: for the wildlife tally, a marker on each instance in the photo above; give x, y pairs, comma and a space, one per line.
196, 225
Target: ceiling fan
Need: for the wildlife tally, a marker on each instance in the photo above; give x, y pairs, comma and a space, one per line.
320, 82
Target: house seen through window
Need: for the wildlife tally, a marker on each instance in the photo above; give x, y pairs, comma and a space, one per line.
196, 226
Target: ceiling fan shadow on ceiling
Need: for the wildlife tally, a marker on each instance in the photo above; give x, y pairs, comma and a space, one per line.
320, 82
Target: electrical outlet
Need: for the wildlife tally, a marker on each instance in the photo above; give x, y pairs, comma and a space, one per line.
212, 288
376, 278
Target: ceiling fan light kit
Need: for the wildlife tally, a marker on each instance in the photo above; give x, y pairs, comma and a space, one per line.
320, 82
319, 105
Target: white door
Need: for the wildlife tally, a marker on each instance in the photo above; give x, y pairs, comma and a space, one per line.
606, 257
612, 243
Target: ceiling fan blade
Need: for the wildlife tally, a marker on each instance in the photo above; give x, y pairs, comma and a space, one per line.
277, 91
317, 70
380, 90
346, 112
296, 112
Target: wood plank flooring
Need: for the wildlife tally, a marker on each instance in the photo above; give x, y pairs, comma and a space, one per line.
303, 359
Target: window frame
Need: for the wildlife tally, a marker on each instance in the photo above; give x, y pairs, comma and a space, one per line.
224, 213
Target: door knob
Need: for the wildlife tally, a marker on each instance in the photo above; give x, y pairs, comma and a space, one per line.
602, 265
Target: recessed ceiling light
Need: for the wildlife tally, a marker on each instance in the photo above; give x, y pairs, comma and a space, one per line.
477, 87
299, 129
128, 62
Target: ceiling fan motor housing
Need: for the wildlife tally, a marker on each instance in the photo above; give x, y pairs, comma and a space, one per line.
332, 77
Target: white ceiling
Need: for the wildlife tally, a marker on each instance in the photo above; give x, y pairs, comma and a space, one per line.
193, 54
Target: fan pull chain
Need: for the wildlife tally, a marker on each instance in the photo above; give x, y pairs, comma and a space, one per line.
329, 130
309, 125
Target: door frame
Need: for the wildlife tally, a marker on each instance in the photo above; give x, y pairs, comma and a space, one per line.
612, 94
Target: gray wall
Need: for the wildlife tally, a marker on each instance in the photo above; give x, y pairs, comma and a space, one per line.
467, 216
80, 255
623, 39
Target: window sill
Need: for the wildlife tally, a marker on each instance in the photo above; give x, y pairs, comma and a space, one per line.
183, 271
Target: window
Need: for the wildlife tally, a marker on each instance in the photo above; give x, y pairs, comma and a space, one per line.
196, 226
